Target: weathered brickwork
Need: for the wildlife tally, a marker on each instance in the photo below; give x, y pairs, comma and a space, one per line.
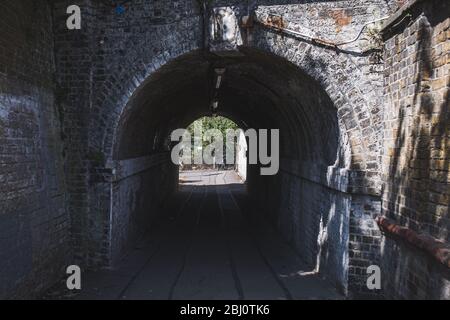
74, 54
117, 69
140, 188
34, 225
416, 153
353, 80
312, 217
364, 244
99, 67
85, 117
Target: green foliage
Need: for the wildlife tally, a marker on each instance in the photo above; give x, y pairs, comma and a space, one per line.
207, 123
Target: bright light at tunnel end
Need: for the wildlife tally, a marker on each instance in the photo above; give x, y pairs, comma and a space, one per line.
258, 147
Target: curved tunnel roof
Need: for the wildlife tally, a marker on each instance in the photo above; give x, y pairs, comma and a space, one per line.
259, 90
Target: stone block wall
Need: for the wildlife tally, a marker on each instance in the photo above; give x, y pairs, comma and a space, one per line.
34, 223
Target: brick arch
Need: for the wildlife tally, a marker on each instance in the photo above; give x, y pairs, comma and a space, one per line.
355, 118
357, 101
337, 74
310, 171
105, 121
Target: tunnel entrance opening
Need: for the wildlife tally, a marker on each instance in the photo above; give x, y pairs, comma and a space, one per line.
216, 154
298, 205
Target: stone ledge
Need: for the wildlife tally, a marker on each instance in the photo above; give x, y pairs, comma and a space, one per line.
439, 250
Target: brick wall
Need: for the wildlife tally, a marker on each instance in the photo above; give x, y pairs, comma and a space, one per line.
99, 68
74, 58
347, 203
364, 244
313, 215
34, 224
416, 154
140, 189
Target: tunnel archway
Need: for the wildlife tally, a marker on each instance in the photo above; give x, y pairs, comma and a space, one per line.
183, 91
214, 142
258, 90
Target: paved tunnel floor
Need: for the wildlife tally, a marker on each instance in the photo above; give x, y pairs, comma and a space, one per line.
207, 248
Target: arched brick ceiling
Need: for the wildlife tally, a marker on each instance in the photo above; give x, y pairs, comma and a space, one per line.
259, 90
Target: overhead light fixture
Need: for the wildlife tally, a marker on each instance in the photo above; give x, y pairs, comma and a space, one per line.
219, 73
218, 81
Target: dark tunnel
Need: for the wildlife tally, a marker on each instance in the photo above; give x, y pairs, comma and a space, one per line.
258, 91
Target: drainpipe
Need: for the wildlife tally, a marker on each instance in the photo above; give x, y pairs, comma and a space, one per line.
437, 249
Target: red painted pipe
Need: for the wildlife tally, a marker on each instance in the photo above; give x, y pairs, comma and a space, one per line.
439, 250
